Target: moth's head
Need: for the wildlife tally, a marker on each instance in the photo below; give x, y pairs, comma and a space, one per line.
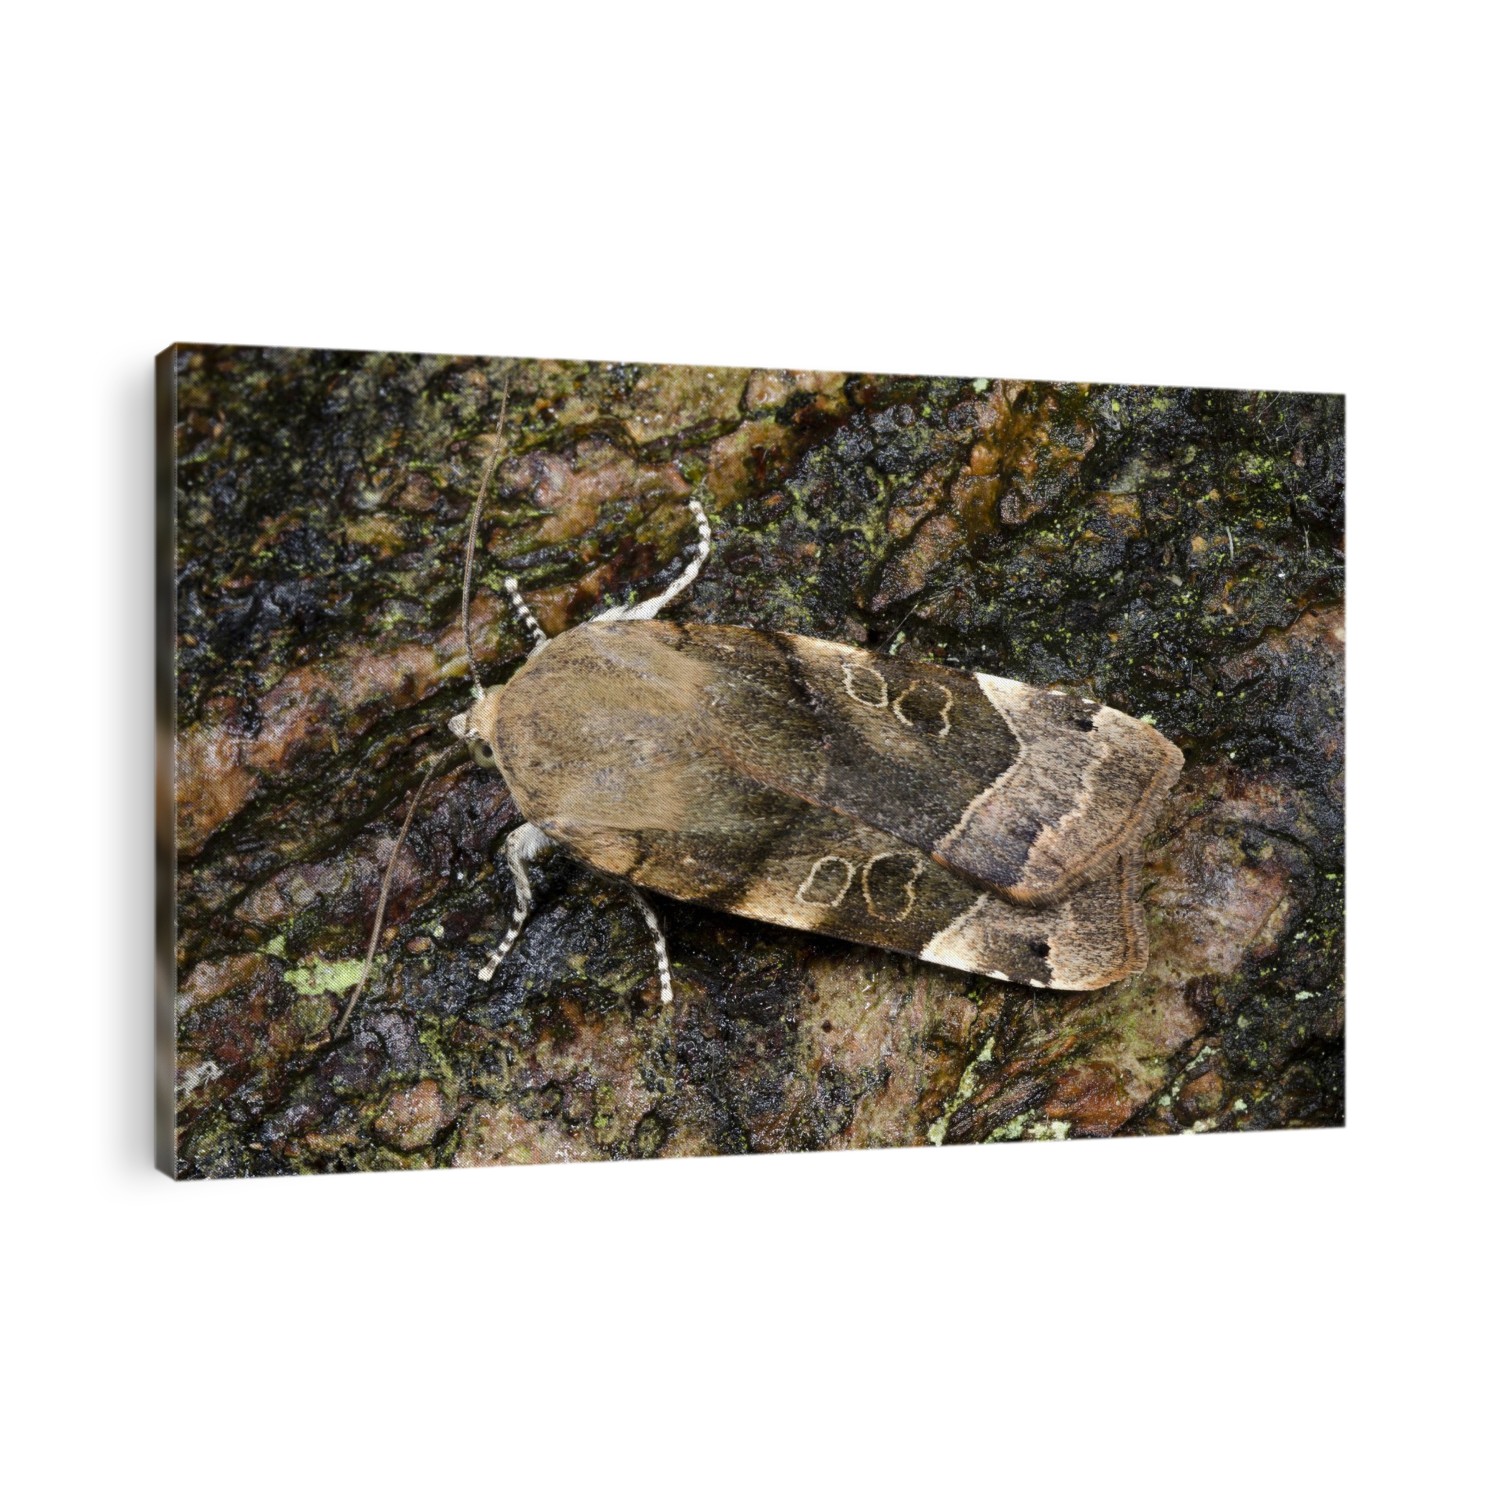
476, 727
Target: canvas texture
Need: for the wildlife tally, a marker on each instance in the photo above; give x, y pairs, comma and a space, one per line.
984, 786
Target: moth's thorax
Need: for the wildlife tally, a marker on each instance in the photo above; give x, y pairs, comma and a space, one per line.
597, 726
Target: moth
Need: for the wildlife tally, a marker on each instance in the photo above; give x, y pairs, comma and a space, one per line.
973, 821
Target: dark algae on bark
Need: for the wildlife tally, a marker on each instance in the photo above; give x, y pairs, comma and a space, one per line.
1177, 553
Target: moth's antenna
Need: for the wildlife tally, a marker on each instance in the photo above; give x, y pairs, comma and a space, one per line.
385, 891
484, 486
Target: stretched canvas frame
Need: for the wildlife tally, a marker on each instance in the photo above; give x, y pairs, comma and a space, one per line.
1177, 553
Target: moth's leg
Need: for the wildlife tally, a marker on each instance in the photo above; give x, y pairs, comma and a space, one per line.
517, 603
647, 609
663, 963
523, 845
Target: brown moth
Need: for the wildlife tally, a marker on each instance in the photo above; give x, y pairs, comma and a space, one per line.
972, 821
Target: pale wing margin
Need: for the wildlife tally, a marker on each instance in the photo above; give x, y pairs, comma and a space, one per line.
1086, 787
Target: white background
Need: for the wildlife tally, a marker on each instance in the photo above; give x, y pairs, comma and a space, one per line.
1260, 196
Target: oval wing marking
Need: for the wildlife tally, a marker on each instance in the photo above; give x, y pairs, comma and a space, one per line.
805, 890
866, 671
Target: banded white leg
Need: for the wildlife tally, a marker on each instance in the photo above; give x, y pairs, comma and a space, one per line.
523, 845
663, 963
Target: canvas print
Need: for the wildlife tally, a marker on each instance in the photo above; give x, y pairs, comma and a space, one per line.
570, 760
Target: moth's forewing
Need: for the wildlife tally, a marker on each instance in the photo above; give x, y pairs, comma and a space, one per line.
979, 823
1031, 792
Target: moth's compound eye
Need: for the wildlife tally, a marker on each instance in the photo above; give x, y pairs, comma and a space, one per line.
481, 752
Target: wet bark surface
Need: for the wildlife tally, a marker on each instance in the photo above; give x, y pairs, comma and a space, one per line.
1175, 553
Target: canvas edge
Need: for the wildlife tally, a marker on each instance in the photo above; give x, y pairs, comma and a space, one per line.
166, 715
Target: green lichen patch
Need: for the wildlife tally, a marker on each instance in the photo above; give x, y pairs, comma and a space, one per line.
319, 977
